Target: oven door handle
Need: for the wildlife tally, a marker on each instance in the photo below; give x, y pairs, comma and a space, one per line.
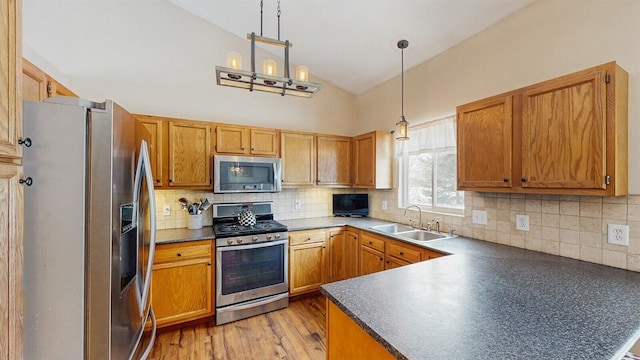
251, 246
255, 303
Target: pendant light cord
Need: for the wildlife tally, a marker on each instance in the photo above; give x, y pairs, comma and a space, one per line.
261, 12
261, 16
402, 82
278, 19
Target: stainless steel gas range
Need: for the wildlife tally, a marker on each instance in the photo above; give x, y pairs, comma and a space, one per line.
251, 262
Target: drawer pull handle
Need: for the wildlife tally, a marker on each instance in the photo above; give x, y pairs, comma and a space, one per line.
26, 142
28, 181
307, 239
370, 242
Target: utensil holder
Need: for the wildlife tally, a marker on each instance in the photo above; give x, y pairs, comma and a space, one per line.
195, 222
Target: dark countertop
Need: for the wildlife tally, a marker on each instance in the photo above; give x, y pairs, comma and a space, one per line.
169, 236
490, 301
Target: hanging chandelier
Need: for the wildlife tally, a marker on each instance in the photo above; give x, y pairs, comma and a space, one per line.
268, 80
402, 126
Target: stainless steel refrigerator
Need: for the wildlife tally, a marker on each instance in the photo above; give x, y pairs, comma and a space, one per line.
89, 232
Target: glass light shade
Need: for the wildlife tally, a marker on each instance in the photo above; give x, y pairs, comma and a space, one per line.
269, 67
302, 73
234, 60
402, 129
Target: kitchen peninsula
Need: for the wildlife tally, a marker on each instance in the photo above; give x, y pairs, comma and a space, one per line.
486, 301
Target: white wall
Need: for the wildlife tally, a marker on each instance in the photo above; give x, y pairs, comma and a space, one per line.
144, 56
546, 39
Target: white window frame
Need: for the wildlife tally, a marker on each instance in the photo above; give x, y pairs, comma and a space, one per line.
402, 154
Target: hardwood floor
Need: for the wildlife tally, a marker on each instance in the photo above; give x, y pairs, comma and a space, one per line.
294, 333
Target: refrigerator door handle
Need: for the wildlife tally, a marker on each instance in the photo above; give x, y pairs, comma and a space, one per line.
147, 351
144, 165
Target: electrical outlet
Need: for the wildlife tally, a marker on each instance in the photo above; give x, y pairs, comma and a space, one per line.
297, 205
618, 234
384, 205
522, 222
166, 210
480, 217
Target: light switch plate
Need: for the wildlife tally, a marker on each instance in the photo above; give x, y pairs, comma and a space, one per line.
480, 217
618, 234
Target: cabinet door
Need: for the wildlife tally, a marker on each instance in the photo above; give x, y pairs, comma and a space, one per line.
364, 157
307, 267
232, 140
371, 260
298, 159
182, 291
564, 133
333, 161
10, 78
264, 142
34, 82
11, 265
189, 158
392, 263
343, 254
150, 130
484, 144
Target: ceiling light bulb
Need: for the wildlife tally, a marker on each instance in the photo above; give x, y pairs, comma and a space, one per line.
234, 60
302, 73
269, 67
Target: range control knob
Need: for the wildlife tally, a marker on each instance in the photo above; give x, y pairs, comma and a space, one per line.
269, 236
239, 240
277, 236
254, 239
230, 241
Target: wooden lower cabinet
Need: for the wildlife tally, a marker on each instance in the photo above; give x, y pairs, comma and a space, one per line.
182, 282
307, 261
347, 340
343, 254
11, 261
371, 260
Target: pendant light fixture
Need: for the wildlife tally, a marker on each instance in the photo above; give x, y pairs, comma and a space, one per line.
402, 126
268, 81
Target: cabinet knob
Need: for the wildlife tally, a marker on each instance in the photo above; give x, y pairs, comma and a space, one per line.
28, 181
242, 149
170, 180
253, 149
208, 264
401, 253
370, 242
158, 180
26, 142
524, 179
505, 179
179, 254
307, 239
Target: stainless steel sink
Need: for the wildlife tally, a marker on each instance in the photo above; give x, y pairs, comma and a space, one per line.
421, 235
392, 228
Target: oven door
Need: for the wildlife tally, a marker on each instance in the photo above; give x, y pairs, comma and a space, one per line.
247, 272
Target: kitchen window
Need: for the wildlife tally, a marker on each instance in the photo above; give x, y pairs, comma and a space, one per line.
428, 167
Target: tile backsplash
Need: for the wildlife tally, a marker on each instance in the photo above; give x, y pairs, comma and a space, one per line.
569, 226
314, 202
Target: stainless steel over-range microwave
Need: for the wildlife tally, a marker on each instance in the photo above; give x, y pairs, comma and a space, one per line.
234, 174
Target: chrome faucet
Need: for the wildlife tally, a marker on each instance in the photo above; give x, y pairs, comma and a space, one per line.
438, 220
420, 214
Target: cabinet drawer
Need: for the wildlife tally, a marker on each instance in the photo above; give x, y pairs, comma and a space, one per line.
372, 242
428, 254
403, 253
305, 237
173, 252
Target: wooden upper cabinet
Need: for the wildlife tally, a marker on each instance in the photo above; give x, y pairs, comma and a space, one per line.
564, 129
484, 143
34, 82
150, 129
38, 85
569, 135
373, 156
264, 142
333, 161
232, 140
189, 159
240, 140
298, 159
10, 96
